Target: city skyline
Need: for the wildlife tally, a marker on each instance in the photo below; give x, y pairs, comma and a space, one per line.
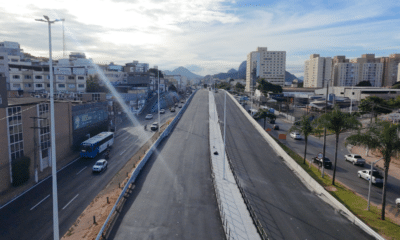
207, 37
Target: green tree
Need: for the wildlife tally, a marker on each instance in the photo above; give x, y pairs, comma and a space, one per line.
364, 84
224, 85
305, 128
266, 87
239, 87
93, 85
374, 105
155, 71
264, 114
172, 88
337, 122
381, 136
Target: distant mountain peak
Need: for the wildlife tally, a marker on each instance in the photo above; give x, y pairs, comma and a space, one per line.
183, 72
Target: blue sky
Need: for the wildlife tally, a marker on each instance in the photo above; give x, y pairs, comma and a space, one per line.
209, 36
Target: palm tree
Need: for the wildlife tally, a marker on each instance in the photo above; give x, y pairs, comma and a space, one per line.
337, 122
264, 114
381, 136
305, 127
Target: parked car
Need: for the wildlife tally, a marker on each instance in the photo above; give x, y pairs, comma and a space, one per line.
376, 176
276, 127
356, 159
327, 162
154, 126
100, 165
180, 106
295, 135
149, 116
172, 109
162, 111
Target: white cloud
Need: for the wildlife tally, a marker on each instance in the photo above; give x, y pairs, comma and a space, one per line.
213, 35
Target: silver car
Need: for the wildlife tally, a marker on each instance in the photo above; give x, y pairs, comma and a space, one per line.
100, 165
149, 116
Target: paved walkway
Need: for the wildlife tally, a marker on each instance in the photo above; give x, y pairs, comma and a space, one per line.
236, 218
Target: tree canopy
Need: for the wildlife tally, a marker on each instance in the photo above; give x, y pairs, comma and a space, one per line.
153, 70
93, 84
265, 87
337, 122
172, 88
374, 104
364, 84
239, 87
305, 128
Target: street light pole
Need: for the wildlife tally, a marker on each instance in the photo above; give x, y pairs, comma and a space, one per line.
224, 131
323, 151
159, 123
370, 180
53, 136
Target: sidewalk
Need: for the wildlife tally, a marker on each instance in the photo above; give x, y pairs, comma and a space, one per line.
234, 214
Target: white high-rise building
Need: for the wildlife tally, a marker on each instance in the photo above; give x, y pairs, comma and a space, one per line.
270, 65
317, 71
346, 74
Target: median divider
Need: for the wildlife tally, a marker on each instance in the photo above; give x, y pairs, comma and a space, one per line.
310, 182
135, 173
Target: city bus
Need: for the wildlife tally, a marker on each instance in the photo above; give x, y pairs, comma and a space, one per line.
97, 144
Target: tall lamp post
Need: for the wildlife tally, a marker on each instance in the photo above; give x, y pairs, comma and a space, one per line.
326, 108
53, 136
370, 180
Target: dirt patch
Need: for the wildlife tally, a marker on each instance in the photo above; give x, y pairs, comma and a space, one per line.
90, 222
394, 168
330, 188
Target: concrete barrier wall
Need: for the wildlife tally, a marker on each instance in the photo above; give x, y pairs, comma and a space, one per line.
142, 163
306, 178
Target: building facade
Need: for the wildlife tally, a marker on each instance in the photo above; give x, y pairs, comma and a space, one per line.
317, 71
270, 65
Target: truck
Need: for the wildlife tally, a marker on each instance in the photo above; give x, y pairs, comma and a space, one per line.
356, 159
327, 162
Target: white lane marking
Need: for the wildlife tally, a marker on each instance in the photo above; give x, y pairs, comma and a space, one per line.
70, 201
122, 152
81, 170
37, 184
126, 138
39, 202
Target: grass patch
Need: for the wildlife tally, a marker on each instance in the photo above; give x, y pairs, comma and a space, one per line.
356, 204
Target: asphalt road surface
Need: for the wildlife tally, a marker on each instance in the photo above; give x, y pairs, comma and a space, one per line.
345, 171
286, 208
31, 215
174, 196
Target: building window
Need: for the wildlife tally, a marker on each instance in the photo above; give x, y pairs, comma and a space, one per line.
16, 85
81, 78
28, 77
39, 85
71, 78
15, 76
48, 77
14, 131
43, 135
81, 85
1, 58
96, 96
28, 85
38, 77
71, 86
48, 85
60, 77
61, 85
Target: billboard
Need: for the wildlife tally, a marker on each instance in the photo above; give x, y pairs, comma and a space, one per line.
89, 118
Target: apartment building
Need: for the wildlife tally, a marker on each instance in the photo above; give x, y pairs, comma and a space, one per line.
270, 65
370, 69
317, 71
345, 74
391, 68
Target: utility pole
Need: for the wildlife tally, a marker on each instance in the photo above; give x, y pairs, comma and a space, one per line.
35, 145
326, 110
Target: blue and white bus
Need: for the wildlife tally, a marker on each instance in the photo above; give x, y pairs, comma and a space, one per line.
97, 144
